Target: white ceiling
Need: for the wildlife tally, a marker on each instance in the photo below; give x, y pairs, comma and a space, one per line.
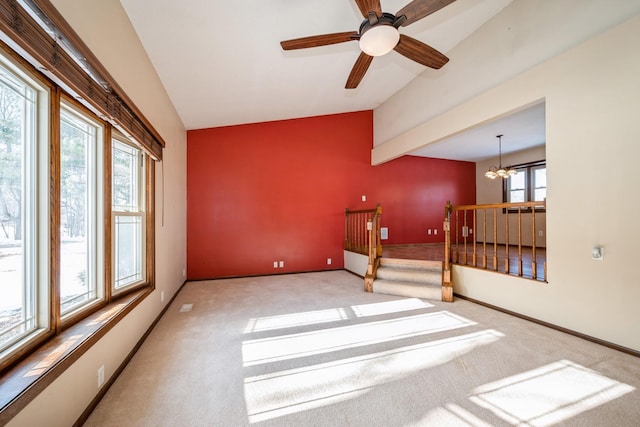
521, 130
221, 64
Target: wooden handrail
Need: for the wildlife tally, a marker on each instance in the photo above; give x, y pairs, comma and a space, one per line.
489, 217
514, 206
370, 211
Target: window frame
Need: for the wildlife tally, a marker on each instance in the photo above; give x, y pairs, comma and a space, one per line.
38, 181
33, 46
52, 326
529, 169
95, 180
142, 203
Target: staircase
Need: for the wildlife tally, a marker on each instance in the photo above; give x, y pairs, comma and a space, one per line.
410, 278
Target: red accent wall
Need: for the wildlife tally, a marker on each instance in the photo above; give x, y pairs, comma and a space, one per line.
266, 192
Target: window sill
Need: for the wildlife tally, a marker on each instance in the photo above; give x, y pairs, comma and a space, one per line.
23, 382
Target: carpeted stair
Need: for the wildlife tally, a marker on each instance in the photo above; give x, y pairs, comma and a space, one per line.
410, 278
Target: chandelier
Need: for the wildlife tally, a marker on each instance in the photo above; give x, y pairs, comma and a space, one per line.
502, 172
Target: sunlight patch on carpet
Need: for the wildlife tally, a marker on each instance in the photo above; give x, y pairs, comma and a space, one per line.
292, 391
549, 394
450, 415
285, 347
305, 318
269, 323
388, 307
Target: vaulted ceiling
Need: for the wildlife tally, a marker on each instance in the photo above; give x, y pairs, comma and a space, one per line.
222, 64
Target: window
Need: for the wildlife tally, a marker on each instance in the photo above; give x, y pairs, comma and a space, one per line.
529, 184
23, 201
62, 255
128, 215
539, 183
58, 219
81, 195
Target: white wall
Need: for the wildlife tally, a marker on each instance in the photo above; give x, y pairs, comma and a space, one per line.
523, 34
592, 100
356, 263
105, 28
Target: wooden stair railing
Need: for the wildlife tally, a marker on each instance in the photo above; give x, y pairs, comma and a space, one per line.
474, 252
362, 235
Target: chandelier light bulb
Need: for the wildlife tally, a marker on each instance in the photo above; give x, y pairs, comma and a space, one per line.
491, 174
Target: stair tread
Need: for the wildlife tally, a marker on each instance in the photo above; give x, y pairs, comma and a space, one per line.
403, 276
416, 269
408, 289
410, 264
410, 284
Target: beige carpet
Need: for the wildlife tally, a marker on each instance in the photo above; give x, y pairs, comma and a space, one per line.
315, 350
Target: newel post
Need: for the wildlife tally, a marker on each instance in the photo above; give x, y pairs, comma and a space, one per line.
447, 285
375, 248
378, 239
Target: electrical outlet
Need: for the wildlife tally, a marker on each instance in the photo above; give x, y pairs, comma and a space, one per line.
281, 264
429, 231
540, 233
100, 376
161, 296
275, 264
364, 198
435, 231
328, 261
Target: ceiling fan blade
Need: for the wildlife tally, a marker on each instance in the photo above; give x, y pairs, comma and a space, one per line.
418, 9
359, 69
367, 6
321, 40
420, 52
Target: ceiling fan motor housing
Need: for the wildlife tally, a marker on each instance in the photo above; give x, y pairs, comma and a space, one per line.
384, 19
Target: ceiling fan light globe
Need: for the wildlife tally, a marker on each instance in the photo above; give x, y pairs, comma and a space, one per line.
491, 174
379, 40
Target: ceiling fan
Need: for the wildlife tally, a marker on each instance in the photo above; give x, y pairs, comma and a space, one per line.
378, 35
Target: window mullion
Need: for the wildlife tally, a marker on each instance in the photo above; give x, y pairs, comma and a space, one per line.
107, 217
54, 225
529, 184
